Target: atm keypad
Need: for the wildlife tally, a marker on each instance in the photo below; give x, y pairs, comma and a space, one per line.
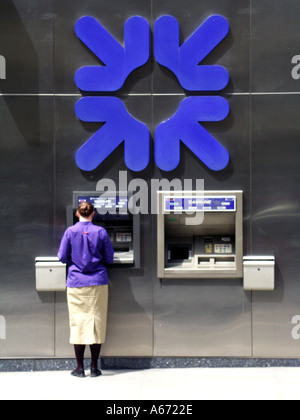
123, 237
223, 249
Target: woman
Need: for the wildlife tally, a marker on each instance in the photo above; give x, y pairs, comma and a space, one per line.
86, 249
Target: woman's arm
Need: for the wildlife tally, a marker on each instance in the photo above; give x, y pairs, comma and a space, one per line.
64, 252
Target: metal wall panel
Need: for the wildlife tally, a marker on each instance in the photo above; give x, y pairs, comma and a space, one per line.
275, 221
26, 42
187, 313
26, 228
27, 168
40, 135
275, 172
275, 41
202, 318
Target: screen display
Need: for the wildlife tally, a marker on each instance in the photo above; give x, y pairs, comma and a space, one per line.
181, 252
124, 237
196, 204
106, 207
104, 204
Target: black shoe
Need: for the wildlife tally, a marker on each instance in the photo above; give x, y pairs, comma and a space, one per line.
79, 373
95, 372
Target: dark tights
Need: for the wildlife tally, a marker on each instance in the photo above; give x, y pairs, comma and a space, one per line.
79, 353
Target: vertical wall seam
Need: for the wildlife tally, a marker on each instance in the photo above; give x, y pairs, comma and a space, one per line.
154, 278
251, 162
54, 161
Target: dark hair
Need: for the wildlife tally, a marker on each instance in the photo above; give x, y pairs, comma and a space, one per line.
85, 209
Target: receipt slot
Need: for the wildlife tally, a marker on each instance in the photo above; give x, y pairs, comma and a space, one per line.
113, 212
200, 234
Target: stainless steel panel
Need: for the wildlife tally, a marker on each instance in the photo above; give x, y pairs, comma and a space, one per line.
275, 221
130, 316
26, 42
201, 318
27, 224
207, 317
275, 41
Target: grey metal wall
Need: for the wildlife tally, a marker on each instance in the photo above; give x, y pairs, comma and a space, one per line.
39, 135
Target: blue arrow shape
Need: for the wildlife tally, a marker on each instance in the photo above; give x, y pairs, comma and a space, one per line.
119, 126
118, 62
184, 126
184, 61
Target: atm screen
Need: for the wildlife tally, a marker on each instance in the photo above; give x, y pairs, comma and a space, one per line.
107, 207
102, 204
179, 252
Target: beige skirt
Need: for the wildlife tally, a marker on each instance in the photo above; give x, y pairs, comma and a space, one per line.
88, 314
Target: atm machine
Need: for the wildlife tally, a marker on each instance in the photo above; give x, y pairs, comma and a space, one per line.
200, 234
113, 213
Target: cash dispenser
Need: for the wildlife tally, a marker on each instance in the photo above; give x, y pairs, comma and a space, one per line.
112, 212
200, 234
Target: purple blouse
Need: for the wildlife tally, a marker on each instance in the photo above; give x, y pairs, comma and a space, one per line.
86, 249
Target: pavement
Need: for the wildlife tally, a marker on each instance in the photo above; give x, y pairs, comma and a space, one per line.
181, 384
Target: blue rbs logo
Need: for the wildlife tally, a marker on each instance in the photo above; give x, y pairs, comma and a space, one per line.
119, 62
